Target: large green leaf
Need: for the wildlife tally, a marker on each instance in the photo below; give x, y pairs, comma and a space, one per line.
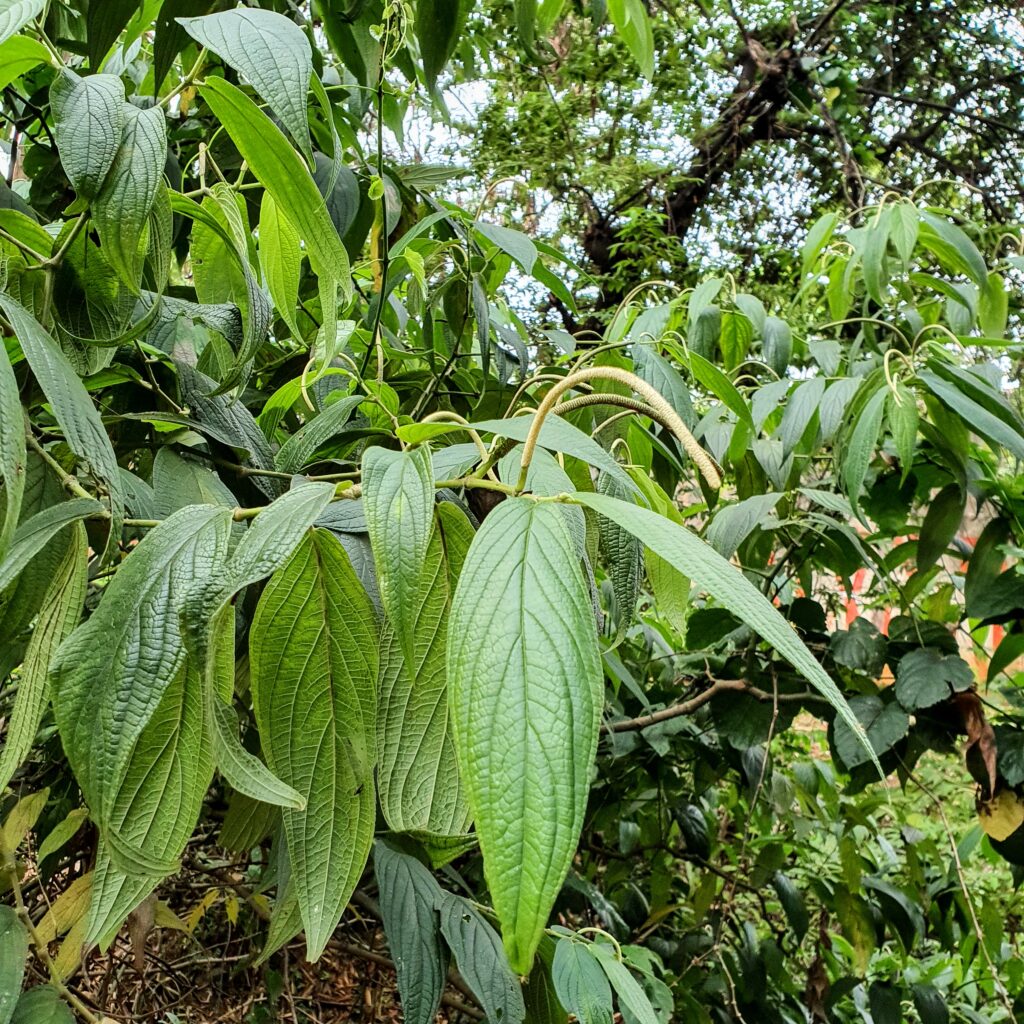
281, 171
122, 207
58, 616
728, 586
418, 777
13, 953
104, 22
271, 52
280, 255
77, 416
313, 660
111, 674
18, 55
526, 691
35, 533
42, 1005
398, 499
88, 120
581, 984
15, 14
438, 23
409, 896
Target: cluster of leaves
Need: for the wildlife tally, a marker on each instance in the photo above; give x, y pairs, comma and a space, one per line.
300, 514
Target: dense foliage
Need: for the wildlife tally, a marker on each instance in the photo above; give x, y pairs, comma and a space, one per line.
587, 607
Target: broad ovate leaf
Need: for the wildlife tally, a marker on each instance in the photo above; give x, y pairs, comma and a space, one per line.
398, 499
525, 691
88, 120
271, 52
112, 673
313, 661
418, 777
729, 587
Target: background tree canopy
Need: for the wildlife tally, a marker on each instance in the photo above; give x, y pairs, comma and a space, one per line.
512, 511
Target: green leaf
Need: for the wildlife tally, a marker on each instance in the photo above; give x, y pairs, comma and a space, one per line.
622, 552
300, 448
33, 534
314, 660
978, 418
993, 307
112, 673
477, 950
104, 22
77, 416
42, 1005
13, 954
884, 722
409, 896
19, 55
945, 513
398, 498
926, 676
930, 1005
954, 250
58, 615
88, 122
121, 209
656, 370
281, 171
418, 777
734, 523
12, 451
728, 586
61, 833
777, 343
901, 415
526, 691
793, 905
273, 55
281, 261
16, 14
519, 246
438, 24
861, 444
581, 984
631, 996
634, 26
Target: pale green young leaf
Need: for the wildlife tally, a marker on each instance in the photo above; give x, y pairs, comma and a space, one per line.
16, 14
58, 616
18, 55
409, 895
13, 954
634, 26
271, 52
398, 499
22, 819
88, 121
282, 172
280, 254
418, 777
121, 210
313, 661
73, 408
111, 674
525, 691
727, 585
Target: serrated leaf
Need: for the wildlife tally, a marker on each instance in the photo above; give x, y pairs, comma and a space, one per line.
271, 52
313, 662
110, 676
58, 615
33, 534
88, 122
729, 587
398, 499
581, 984
121, 209
16, 14
481, 960
281, 171
77, 416
623, 554
526, 691
418, 777
42, 1005
13, 954
409, 896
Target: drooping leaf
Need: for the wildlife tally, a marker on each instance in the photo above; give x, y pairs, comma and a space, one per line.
16, 14
729, 587
281, 171
634, 26
861, 445
481, 960
398, 499
300, 448
884, 722
271, 52
409, 896
78, 418
525, 689
121, 209
631, 995
313, 661
581, 984
13, 954
88, 122
623, 554
112, 673
104, 22
940, 525
59, 614
420, 788
280, 260
519, 246
33, 534
438, 24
